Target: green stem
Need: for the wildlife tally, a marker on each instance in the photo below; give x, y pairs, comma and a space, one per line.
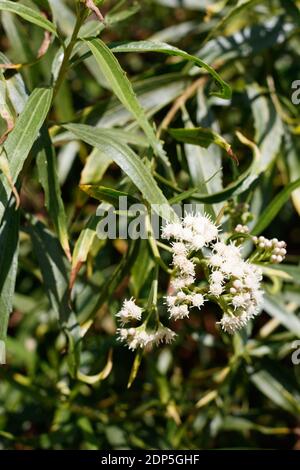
168, 183
68, 51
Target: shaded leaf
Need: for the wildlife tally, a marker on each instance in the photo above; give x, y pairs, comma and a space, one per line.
274, 207
153, 46
130, 163
122, 87
9, 242
28, 14
22, 137
47, 169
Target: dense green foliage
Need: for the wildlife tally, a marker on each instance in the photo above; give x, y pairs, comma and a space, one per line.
204, 113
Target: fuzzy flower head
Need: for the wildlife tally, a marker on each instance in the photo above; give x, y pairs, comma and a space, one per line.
130, 311
231, 323
196, 231
164, 335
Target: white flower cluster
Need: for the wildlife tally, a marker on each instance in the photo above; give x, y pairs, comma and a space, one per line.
191, 235
270, 250
139, 337
232, 282
239, 283
222, 276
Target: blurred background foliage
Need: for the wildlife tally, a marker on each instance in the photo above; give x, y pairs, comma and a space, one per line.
207, 390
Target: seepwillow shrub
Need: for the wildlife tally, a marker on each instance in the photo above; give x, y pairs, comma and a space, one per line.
210, 316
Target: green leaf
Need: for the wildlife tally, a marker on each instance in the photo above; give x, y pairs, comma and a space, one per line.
274, 207
16, 91
153, 93
200, 136
52, 263
240, 185
122, 87
102, 375
112, 282
84, 243
53, 266
268, 126
141, 269
293, 163
28, 14
274, 386
135, 367
164, 48
274, 307
20, 140
130, 163
95, 167
247, 41
47, 169
9, 242
239, 7
204, 163
110, 195
236, 423
292, 270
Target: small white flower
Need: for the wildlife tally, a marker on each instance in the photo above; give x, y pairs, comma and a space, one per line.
189, 221
231, 323
238, 270
217, 277
239, 301
215, 261
237, 284
141, 339
205, 227
197, 300
187, 234
210, 232
171, 299
181, 296
198, 242
185, 266
172, 231
164, 335
220, 248
122, 334
227, 268
179, 312
216, 289
132, 344
180, 282
130, 311
179, 249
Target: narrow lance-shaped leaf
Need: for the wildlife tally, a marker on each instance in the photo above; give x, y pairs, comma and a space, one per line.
130, 163
47, 168
122, 87
164, 48
268, 126
22, 137
83, 246
274, 386
110, 195
274, 307
28, 14
201, 136
274, 207
53, 266
9, 243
